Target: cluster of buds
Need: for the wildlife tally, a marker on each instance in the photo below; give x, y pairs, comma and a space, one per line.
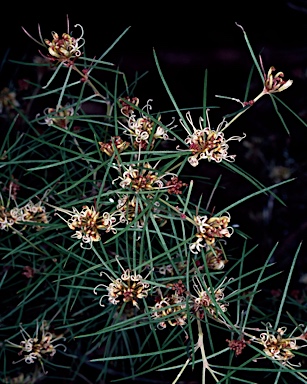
128, 288
115, 145
38, 347
206, 300
175, 185
29, 213
59, 116
206, 143
143, 128
210, 229
277, 346
172, 308
87, 224
237, 345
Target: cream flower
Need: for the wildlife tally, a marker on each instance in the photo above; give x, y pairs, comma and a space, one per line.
206, 143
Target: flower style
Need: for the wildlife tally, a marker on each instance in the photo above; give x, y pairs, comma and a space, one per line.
87, 223
206, 143
59, 116
278, 347
210, 229
115, 142
129, 288
61, 49
205, 300
170, 309
143, 128
38, 347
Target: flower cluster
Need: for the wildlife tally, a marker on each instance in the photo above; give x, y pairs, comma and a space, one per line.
38, 347
143, 128
207, 300
210, 229
145, 178
29, 213
171, 308
88, 222
277, 346
129, 288
129, 209
275, 83
59, 116
66, 48
207, 143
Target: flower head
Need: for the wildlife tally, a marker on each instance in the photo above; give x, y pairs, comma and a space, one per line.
59, 116
61, 49
275, 83
210, 229
174, 186
207, 143
142, 129
87, 224
28, 213
38, 347
171, 308
145, 178
207, 300
277, 346
128, 288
